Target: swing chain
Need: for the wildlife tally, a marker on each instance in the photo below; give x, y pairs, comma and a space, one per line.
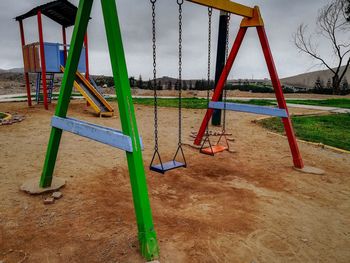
210, 12
154, 47
180, 3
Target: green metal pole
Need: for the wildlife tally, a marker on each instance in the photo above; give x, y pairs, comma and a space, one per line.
146, 233
82, 19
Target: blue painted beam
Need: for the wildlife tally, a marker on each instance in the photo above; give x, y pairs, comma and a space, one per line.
262, 110
105, 135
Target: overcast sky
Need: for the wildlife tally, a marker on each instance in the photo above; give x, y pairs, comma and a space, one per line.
281, 20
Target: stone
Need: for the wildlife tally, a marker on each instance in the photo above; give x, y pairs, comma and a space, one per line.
310, 170
49, 201
32, 186
57, 195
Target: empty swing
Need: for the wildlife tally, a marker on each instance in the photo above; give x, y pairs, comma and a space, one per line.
173, 164
216, 148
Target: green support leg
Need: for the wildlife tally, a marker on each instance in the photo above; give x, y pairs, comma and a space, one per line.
146, 233
80, 27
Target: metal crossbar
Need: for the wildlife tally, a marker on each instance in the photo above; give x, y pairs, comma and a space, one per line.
106, 135
249, 108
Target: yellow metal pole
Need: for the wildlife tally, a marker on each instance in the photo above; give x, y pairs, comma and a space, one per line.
227, 6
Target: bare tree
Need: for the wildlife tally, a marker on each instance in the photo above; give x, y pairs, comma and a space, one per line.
347, 10
331, 25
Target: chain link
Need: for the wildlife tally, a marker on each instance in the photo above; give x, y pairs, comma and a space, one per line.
180, 3
226, 57
210, 12
154, 48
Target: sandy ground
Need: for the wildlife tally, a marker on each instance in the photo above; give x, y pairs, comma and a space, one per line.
248, 206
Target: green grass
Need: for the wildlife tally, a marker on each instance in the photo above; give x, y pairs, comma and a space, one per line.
196, 103
332, 129
187, 103
193, 103
340, 103
2, 115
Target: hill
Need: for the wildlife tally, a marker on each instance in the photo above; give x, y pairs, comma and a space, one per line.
12, 70
308, 80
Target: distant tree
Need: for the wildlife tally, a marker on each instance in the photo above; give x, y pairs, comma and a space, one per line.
132, 82
149, 84
345, 84
204, 84
197, 85
331, 25
347, 10
140, 83
184, 85
159, 85
170, 85
212, 84
319, 85
190, 86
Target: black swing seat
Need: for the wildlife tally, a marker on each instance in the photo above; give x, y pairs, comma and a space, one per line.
159, 168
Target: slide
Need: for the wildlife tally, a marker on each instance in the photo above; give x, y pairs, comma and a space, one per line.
92, 95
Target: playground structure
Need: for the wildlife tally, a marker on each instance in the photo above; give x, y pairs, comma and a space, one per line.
48, 59
128, 139
252, 18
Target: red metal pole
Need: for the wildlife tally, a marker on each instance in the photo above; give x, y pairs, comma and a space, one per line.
221, 83
297, 159
64, 36
42, 59
26, 75
87, 73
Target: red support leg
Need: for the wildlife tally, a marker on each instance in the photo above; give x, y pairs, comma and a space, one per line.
42, 59
221, 83
64, 37
87, 73
297, 159
26, 75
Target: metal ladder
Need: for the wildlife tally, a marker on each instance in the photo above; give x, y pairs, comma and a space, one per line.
39, 95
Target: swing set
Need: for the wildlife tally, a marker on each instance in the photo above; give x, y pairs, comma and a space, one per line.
128, 138
251, 18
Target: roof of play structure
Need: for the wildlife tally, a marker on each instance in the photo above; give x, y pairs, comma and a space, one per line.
60, 11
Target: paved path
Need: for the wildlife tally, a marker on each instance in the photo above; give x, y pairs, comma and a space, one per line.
321, 108
17, 98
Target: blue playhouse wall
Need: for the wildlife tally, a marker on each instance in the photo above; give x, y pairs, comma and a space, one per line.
54, 57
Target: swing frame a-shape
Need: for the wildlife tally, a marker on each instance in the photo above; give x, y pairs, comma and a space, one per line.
251, 18
128, 139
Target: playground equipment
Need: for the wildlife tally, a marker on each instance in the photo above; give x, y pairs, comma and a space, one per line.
47, 59
128, 139
173, 164
251, 18
217, 148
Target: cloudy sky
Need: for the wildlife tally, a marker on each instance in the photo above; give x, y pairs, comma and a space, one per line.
281, 20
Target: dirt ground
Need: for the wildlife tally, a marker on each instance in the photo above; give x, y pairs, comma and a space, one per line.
249, 206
